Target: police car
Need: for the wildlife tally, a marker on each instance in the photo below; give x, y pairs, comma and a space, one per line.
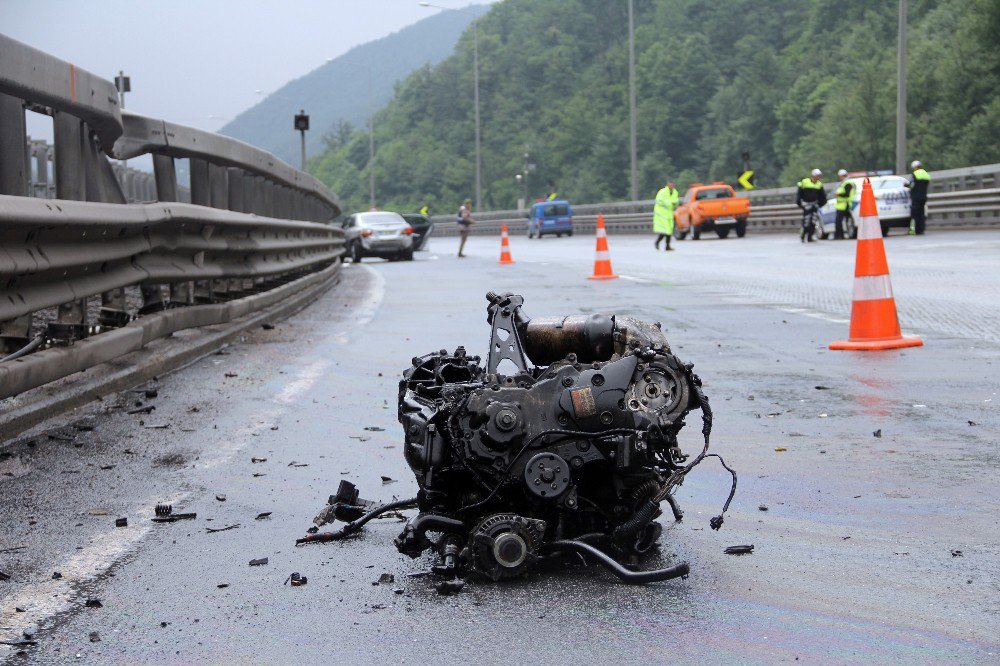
891, 196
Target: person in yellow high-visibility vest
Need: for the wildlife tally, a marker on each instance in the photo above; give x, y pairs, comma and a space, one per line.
663, 214
425, 210
843, 204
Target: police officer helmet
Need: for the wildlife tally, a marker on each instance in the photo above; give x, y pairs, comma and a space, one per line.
842, 173
816, 173
915, 164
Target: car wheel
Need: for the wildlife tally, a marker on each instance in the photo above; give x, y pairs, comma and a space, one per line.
569, 233
356, 252
558, 235
722, 233
695, 233
741, 228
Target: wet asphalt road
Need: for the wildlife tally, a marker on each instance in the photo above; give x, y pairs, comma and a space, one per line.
853, 557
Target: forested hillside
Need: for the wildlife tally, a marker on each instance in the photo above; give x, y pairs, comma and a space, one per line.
795, 83
335, 95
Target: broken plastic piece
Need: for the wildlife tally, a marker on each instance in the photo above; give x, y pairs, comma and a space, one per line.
745, 549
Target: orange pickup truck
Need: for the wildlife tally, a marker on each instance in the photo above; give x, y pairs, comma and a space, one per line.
711, 207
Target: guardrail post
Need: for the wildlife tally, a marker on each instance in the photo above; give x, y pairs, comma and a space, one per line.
14, 180
165, 175
40, 151
234, 183
14, 177
201, 194
217, 182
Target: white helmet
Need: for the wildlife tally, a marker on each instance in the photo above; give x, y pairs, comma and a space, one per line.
916, 163
816, 173
842, 173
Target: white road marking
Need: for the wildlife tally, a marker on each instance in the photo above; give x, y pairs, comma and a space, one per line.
47, 598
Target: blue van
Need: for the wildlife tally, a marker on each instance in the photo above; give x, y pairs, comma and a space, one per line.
550, 217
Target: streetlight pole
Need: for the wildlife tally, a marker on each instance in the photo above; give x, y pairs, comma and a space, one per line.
631, 101
475, 99
901, 92
123, 84
371, 143
302, 124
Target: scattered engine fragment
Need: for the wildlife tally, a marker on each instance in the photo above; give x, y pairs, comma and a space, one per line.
516, 462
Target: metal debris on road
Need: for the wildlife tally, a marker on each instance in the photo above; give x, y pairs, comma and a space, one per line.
956, 553
4, 576
878, 433
93, 603
169, 516
231, 374
374, 429
121, 522
156, 426
578, 439
780, 449
762, 507
296, 579
262, 516
222, 585
222, 529
142, 410
258, 460
449, 587
385, 579
94, 637
56, 575
822, 388
258, 562
298, 464
386, 480
220, 497
745, 549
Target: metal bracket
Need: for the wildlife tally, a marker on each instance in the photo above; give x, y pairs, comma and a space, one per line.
505, 343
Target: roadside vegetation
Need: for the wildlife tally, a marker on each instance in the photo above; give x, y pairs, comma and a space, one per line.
796, 84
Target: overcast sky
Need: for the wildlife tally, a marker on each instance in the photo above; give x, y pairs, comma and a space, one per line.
201, 62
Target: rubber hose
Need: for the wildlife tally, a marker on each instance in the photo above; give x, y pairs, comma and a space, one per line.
628, 530
625, 575
35, 343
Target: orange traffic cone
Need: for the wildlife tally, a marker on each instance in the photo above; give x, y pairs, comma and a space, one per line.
874, 324
505, 257
602, 260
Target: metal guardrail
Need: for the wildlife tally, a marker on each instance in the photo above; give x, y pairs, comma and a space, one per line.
958, 197
72, 248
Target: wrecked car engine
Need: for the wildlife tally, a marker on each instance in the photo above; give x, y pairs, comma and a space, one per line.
573, 453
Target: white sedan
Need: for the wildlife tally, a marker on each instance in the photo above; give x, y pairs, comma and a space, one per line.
891, 197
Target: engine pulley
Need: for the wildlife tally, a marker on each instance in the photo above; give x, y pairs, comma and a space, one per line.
504, 545
547, 476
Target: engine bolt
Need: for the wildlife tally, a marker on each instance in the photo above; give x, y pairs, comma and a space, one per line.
567, 381
577, 462
597, 380
607, 418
